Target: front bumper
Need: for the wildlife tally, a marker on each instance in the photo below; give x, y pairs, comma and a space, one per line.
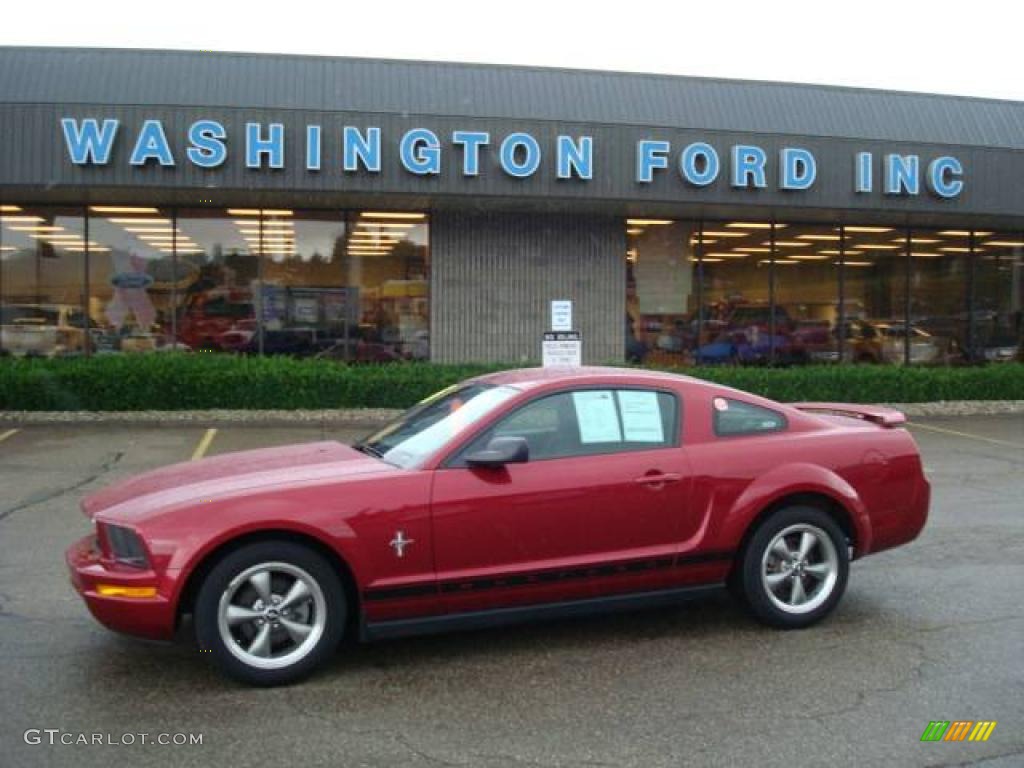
149, 617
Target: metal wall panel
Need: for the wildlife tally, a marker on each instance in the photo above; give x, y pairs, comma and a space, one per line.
34, 165
190, 78
493, 276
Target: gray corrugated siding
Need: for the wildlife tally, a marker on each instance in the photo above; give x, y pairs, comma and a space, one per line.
34, 167
177, 78
493, 277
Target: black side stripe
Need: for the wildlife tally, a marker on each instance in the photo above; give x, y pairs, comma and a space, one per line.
543, 577
395, 593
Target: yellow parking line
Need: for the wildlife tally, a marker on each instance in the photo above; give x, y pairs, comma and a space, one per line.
204, 444
8, 433
968, 435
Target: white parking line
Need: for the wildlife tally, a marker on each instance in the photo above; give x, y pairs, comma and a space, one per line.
8, 433
204, 444
967, 435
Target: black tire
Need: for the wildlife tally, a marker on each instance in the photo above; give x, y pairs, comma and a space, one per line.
780, 606
323, 612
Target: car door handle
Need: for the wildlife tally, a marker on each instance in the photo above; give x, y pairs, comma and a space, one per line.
658, 479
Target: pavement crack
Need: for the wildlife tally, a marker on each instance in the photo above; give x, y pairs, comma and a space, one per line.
403, 741
507, 758
915, 674
421, 754
977, 760
974, 623
31, 501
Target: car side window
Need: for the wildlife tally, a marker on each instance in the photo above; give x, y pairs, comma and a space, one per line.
735, 417
589, 421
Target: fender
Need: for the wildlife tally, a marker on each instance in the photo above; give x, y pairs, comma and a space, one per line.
786, 480
186, 560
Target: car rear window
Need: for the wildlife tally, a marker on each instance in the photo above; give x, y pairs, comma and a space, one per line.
735, 417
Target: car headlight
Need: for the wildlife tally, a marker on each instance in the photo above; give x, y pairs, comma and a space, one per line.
123, 545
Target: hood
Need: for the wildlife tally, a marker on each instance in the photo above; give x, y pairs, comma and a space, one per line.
234, 473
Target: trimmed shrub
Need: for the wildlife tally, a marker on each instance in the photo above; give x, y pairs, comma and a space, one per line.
170, 381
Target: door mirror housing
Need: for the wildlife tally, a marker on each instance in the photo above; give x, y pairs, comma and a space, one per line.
499, 452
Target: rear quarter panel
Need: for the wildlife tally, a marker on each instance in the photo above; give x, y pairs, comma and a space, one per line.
874, 474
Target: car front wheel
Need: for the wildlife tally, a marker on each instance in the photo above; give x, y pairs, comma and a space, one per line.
270, 612
795, 567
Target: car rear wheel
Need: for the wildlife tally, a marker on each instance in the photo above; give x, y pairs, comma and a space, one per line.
270, 612
795, 567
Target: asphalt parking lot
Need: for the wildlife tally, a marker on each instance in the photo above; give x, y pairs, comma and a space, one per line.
932, 631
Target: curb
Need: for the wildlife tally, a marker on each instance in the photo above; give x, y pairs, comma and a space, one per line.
961, 408
374, 417
367, 418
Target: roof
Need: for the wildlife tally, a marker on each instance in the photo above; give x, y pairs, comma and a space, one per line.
288, 82
527, 378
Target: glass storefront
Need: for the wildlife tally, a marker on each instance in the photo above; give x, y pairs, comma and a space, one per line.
875, 267
755, 292
131, 291
806, 289
351, 286
43, 294
660, 291
939, 277
737, 323
997, 297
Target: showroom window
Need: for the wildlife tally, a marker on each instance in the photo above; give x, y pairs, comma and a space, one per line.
753, 292
940, 276
806, 290
43, 295
661, 299
349, 286
997, 298
875, 271
132, 289
739, 323
218, 279
387, 269
304, 302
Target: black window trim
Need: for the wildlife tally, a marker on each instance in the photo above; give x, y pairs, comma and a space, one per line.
452, 461
783, 426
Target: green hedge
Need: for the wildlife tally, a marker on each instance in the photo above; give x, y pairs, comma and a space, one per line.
186, 382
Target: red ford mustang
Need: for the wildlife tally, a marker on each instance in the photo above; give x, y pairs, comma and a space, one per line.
518, 495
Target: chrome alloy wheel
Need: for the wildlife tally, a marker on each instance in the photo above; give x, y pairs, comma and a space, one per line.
271, 615
799, 568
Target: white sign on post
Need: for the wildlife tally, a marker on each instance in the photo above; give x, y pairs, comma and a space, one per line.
561, 315
562, 349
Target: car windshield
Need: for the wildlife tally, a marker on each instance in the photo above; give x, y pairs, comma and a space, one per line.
432, 423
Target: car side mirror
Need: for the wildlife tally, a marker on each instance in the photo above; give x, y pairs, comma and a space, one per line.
499, 452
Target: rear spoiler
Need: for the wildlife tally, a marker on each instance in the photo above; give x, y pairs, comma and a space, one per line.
876, 414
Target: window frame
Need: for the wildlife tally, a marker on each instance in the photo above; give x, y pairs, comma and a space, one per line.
783, 426
456, 459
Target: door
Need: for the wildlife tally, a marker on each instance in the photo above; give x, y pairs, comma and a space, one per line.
595, 510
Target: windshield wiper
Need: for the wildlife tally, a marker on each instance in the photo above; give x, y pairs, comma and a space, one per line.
369, 450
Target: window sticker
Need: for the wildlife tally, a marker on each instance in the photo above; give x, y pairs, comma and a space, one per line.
641, 417
597, 417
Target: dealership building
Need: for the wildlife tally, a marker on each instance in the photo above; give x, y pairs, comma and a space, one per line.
372, 210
